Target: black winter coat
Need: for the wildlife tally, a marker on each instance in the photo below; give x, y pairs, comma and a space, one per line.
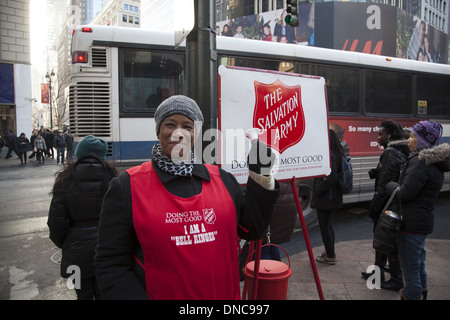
74, 214
388, 169
326, 192
23, 145
11, 140
49, 138
60, 141
118, 274
420, 182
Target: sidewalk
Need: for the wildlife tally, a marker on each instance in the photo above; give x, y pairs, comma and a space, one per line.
14, 161
343, 281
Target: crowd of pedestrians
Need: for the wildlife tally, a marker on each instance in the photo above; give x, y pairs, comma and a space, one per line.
414, 162
39, 146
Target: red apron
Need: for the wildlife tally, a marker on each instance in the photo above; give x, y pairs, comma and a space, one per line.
189, 244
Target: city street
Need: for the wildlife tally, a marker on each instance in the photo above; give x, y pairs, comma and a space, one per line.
29, 268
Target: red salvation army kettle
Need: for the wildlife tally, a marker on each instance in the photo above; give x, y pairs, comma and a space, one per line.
272, 280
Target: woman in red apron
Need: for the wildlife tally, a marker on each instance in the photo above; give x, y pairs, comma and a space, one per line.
169, 228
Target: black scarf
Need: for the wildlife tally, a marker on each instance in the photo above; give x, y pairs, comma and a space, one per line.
166, 164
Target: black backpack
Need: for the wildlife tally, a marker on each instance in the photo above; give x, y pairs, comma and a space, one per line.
346, 176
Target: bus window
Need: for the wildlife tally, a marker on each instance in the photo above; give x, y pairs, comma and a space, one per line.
342, 86
263, 64
434, 91
146, 79
387, 92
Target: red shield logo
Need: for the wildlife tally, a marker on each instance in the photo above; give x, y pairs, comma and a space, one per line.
209, 215
279, 114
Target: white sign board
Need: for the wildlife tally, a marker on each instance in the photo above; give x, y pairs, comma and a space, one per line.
290, 112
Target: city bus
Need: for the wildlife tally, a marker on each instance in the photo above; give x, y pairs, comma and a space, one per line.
120, 75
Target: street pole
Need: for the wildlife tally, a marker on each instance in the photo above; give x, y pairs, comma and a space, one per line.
201, 63
51, 107
49, 78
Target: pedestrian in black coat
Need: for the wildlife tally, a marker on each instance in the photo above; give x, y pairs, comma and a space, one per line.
49, 138
392, 138
32, 138
11, 143
23, 146
69, 140
75, 211
327, 197
420, 182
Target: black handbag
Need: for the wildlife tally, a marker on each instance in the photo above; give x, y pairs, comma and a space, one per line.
387, 227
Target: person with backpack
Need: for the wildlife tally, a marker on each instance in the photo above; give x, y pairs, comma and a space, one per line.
326, 198
392, 138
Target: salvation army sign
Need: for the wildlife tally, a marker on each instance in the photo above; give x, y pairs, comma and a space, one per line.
278, 110
288, 110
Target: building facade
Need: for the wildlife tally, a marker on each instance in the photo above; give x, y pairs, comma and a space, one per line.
122, 13
15, 67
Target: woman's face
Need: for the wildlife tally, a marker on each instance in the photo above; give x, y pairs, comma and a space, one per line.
412, 142
383, 136
176, 136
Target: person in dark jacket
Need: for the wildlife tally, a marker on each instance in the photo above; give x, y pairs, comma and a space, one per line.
60, 144
420, 182
11, 143
392, 138
327, 197
49, 141
23, 146
32, 138
2, 144
69, 141
169, 227
75, 211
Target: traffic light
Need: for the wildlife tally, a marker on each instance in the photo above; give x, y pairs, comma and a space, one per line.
292, 16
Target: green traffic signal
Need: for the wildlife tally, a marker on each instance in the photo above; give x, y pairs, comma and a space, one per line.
292, 16
291, 20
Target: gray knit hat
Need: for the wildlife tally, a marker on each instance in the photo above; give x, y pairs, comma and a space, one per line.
178, 104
